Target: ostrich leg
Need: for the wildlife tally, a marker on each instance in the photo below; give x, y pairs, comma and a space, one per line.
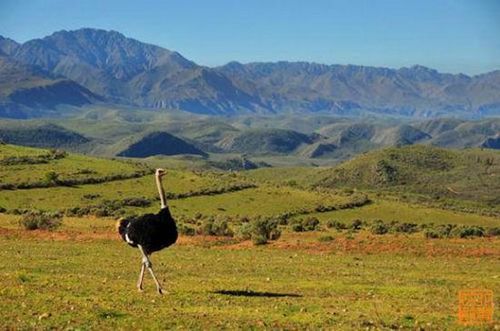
149, 265
141, 276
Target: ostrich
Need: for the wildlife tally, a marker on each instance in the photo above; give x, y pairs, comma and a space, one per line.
150, 232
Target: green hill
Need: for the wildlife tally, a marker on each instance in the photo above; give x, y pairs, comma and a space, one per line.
439, 174
40, 135
263, 141
159, 143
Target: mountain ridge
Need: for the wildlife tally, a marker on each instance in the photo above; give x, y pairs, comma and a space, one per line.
127, 71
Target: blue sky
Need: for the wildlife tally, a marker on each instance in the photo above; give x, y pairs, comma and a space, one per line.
449, 35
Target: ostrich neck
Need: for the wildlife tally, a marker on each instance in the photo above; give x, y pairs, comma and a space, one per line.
161, 192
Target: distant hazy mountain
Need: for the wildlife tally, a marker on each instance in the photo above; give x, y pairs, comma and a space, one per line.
346, 89
28, 91
127, 71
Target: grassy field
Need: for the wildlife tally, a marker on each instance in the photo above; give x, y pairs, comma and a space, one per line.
405, 212
71, 166
82, 276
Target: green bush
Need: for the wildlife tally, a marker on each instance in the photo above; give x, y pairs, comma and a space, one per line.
356, 225
308, 224
311, 224
297, 227
136, 202
51, 177
34, 220
405, 227
493, 232
379, 227
467, 231
431, 234
337, 225
186, 230
245, 231
215, 227
260, 230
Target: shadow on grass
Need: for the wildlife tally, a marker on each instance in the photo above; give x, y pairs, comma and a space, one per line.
249, 293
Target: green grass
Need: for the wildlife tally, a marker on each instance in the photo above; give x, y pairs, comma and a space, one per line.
468, 175
91, 285
73, 166
406, 212
81, 276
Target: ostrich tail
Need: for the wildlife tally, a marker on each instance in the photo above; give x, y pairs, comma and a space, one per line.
121, 226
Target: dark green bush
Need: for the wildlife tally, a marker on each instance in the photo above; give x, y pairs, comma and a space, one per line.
186, 230
260, 230
337, 225
310, 224
136, 202
51, 177
356, 225
467, 231
405, 227
34, 220
379, 227
297, 227
215, 227
493, 232
444, 230
431, 234
302, 225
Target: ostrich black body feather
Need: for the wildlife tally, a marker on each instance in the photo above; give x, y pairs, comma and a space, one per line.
152, 231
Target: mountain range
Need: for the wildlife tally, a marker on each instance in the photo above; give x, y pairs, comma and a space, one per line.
89, 66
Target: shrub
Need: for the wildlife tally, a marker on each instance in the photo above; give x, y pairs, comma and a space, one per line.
405, 227
493, 232
467, 231
91, 196
260, 230
259, 239
356, 225
445, 230
51, 177
41, 220
2, 210
215, 227
186, 230
308, 224
379, 227
245, 231
136, 202
337, 225
297, 227
311, 224
431, 234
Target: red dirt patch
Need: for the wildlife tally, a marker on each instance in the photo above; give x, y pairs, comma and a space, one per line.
361, 243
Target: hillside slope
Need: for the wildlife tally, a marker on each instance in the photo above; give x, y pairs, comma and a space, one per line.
472, 175
41, 135
159, 143
264, 141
